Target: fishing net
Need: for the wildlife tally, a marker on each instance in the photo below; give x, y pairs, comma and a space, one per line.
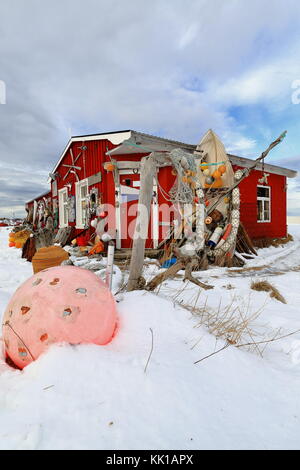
186, 170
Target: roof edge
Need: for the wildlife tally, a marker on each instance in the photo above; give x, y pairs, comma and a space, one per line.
275, 169
39, 196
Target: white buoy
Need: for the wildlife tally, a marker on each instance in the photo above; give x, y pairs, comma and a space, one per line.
215, 237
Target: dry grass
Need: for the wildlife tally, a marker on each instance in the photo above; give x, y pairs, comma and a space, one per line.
233, 323
267, 242
244, 270
265, 286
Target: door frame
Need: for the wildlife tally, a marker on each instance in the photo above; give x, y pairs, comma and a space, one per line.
154, 208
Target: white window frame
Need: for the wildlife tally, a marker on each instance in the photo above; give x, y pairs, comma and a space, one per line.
61, 203
79, 215
263, 199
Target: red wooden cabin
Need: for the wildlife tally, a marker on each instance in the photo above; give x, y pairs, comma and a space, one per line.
39, 203
84, 171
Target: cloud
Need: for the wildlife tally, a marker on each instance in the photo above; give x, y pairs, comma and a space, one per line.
158, 67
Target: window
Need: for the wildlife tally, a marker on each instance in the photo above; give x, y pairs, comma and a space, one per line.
263, 204
63, 207
81, 203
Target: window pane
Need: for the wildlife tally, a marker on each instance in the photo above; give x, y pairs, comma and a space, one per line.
83, 191
267, 210
259, 210
65, 215
263, 192
83, 212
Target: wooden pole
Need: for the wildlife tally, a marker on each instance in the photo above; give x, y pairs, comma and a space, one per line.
142, 221
110, 264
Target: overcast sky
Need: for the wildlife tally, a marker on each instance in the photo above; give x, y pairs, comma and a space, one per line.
173, 68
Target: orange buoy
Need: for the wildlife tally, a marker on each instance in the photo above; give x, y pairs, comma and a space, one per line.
218, 183
98, 248
222, 169
109, 166
216, 174
204, 166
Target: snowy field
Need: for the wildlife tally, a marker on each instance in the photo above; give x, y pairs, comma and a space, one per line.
91, 397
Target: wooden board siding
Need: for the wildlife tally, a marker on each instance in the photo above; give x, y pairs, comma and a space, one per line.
277, 227
91, 162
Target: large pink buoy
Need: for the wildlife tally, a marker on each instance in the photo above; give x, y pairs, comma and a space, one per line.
60, 304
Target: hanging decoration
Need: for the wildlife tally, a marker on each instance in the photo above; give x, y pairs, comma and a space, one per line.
213, 190
71, 209
72, 168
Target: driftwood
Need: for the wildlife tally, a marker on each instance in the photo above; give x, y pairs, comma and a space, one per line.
142, 222
63, 235
190, 266
168, 274
28, 250
244, 243
44, 237
188, 263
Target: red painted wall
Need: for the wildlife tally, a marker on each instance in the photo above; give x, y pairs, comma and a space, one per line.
277, 227
91, 162
92, 159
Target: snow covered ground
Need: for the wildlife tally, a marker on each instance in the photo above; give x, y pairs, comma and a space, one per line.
91, 397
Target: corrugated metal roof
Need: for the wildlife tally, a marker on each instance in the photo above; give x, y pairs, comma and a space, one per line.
39, 197
119, 137
247, 162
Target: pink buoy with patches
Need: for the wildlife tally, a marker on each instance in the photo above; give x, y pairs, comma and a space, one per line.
60, 304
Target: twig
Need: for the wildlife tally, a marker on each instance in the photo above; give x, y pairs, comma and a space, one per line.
150, 350
247, 344
212, 354
268, 340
